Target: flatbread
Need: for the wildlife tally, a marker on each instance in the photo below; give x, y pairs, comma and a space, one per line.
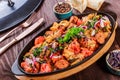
80, 5
95, 4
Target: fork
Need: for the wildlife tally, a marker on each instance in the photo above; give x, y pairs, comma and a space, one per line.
27, 23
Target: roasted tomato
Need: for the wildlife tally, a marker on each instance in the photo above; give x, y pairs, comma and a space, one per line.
74, 19
86, 52
39, 40
55, 57
37, 65
100, 36
46, 67
74, 46
62, 64
79, 22
26, 67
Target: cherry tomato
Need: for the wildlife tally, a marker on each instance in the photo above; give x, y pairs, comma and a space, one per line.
74, 46
86, 52
39, 40
37, 65
74, 19
26, 67
55, 57
98, 24
79, 22
62, 64
35, 70
46, 67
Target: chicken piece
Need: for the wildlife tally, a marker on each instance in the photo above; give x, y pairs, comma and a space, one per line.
71, 25
36, 46
100, 37
47, 33
92, 44
62, 64
87, 18
106, 34
74, 19
49, 38
55, 26
86, 52
79, 57
74, 46
89, 43
26, 67
69, 55
56, 57
46, 67
64, 23
90, 16
58, 33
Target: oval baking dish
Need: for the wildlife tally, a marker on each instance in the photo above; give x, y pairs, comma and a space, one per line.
16, 68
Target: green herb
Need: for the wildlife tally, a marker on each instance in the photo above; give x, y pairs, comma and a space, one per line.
24, 57
51, 49
42, 61
94, 19
37, 51
60, 40
31, 65
91, 23
72, 32
100, 16
105, 28
61, 47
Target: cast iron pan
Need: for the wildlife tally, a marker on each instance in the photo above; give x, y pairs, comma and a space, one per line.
11, 16
17, 70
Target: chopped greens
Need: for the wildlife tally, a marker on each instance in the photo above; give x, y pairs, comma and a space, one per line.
91, 23
72, 32
61, 47
37, 51
60, 40
51, 50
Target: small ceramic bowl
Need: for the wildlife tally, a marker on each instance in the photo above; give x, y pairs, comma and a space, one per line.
62, 15
113, 64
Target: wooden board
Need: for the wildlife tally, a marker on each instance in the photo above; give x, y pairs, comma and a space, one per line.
78, 68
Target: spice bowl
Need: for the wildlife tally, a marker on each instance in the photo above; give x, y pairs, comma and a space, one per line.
113, 62
62, 10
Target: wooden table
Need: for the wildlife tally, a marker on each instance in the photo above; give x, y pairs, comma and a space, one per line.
96, 71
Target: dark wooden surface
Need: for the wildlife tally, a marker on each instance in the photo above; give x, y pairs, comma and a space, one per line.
96, 71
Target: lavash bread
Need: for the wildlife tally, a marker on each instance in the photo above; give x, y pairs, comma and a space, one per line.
95, 4
80, 5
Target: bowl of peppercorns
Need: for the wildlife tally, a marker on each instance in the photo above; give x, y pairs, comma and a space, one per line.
62, 10
113, 62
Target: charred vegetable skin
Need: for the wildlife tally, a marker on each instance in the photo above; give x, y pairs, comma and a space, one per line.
67, 43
